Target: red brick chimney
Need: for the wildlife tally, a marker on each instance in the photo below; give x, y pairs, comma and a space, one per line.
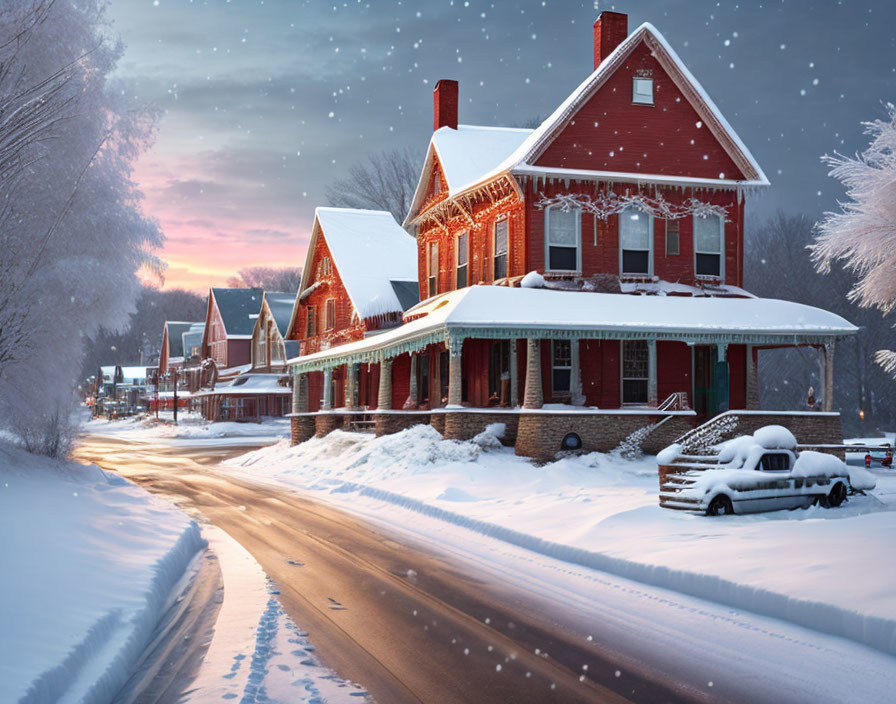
444, 104
610, 30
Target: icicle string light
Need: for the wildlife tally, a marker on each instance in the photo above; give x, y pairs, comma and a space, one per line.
606, 204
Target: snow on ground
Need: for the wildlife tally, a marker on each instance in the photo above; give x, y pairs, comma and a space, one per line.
828, 569
88, 564
257, 653
190, 426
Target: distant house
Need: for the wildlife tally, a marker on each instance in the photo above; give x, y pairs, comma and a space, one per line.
269, 348
172, 353
229, 323
360, 275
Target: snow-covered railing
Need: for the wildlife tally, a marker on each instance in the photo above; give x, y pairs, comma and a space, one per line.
677, 401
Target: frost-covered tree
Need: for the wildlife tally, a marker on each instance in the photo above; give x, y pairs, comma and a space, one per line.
383, 181
863, 234
72, 233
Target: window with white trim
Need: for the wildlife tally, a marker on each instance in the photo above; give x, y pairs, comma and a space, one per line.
500, 250
331, 314
463, 258
433, 270
634, 371
562, 238
708, 239
635, 242
642, 90
561, 366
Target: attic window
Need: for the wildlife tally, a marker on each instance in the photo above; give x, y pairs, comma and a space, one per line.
642, 90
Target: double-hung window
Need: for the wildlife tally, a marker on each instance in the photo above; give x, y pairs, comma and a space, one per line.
500, 249
708, 245
331, 313
642, 90
561, 366
310, 326
433, 273
562, 238
634, 371
463, 257
635, 242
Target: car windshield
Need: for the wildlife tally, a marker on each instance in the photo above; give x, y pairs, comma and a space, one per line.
775, 462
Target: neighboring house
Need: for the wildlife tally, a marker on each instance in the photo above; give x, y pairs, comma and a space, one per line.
360, 274
610, 243
269, 350
172, 353
229, 322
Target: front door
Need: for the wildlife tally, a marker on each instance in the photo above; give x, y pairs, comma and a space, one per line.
704, 362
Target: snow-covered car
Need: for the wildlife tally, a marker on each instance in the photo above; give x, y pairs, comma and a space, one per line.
761, 472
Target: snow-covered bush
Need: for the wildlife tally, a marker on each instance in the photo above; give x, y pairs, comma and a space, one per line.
72, 235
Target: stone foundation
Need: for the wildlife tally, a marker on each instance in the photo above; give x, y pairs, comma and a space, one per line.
389, 423
437, 420
325, 423
301, 429
463, 425
540, 434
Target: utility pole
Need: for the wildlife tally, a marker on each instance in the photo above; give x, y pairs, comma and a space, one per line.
174, 371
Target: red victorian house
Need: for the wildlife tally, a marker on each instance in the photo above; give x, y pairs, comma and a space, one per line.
582, 281
360, 274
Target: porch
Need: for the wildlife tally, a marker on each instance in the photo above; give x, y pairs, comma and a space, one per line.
594, 371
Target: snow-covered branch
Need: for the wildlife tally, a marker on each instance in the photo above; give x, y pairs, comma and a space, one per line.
605, 204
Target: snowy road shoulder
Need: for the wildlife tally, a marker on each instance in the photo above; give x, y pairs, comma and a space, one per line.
824, 569
190, 429
89, 563
257, 653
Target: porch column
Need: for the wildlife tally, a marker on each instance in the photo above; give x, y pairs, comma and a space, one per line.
455, 379
413, 397
514, 377
652, 396
327, 401
752, 383
576, 397
299, 393
720, 378
829, 376
384, 400
534, 394
351, 385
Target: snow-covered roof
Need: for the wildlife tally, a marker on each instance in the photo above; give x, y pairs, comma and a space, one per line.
133, 375
250, 385
236, 307
280, 304
370, 251
480, 310
176, 329
471, 168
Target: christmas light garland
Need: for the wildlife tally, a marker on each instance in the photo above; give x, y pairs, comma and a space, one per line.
606, 204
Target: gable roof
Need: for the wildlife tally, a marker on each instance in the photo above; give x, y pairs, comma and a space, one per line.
176, 329
465, 154
370, 251
238, 308
280, 305
522, 158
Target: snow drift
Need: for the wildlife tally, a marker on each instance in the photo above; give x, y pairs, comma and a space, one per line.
89, 564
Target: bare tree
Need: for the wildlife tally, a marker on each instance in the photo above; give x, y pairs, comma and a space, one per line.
285, 280
863, 234
383, 181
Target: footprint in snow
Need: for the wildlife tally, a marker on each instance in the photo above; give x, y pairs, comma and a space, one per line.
335, 605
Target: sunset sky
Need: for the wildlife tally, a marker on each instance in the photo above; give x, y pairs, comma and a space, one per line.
264, 102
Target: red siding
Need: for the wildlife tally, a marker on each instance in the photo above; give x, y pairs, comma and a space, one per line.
737, 376
662, 138
673, 369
